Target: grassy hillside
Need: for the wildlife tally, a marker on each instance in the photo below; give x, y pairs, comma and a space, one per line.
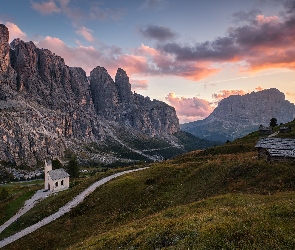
149, 146
218, 198
17, 194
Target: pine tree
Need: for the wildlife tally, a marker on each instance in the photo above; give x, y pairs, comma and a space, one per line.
73, 167
273, 122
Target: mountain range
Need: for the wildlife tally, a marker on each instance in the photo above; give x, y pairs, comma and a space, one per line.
236, 115
48, 109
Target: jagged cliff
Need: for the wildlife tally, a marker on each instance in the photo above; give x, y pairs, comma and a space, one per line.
237, 115
47, 107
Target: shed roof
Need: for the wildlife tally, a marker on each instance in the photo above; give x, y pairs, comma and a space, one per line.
265, 128
58, 174
281, 153
276, 143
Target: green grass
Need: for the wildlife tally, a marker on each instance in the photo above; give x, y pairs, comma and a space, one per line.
220, 198
148, 145
18, 193
48, 206
234, 221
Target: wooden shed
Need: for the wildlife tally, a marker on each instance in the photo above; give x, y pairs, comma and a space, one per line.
276, 148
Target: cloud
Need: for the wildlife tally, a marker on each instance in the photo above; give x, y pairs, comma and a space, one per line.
91, 10
263, 42
141, 61
290, 94
259, 88
189, 109
45, 8
161, 63
88, 57
15, 32
226, 93
137, 84
289, 5
153, 4
159, 33
257, 42
86, 33
247, 16
98, 12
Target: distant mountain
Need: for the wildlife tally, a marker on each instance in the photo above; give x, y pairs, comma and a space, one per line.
236, 116
48, 109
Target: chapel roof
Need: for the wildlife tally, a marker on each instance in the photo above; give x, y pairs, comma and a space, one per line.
58, 174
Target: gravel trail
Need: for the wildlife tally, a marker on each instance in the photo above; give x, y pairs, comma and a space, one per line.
66, 208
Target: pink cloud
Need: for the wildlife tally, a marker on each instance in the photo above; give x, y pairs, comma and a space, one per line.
86, 33
290, 94
45, 8
15, 32
137, 84
190, 109
263, 42
259, 88
88, 57
81, 56
226, 93
162, 63
261, 19
142, 61
91, 10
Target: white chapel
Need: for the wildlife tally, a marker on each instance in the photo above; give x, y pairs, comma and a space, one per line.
55, 180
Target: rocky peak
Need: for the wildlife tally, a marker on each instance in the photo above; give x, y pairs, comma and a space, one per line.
123, 86
104, 93
255, 108
4, 49
4, 35
23, 61
236, 116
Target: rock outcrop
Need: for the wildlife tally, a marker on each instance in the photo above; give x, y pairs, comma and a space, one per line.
47, 107
237, 115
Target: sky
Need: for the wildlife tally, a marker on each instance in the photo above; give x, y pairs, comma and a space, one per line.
188, 53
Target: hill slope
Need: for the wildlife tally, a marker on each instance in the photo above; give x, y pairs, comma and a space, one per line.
222, 197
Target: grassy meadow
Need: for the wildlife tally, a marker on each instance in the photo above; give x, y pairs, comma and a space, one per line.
219, 198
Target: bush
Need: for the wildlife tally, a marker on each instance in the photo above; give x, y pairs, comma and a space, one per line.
3, 194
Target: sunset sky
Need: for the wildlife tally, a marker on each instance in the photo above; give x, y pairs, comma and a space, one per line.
188, 53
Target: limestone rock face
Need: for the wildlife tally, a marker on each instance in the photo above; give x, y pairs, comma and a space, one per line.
237, 115
47, 107
4, 49
116, 102
255, 108
7, 74
123, 86
104, 93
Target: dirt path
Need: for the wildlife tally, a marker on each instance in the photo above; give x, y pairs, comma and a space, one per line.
274, 134
66, 208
